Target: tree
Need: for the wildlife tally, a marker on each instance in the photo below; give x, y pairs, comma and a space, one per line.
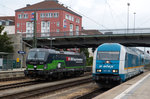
85, 51
89, 60
5, 43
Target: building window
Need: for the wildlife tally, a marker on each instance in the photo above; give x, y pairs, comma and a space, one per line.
18, 25
48, 24
57, 30
28, 24
7, 22
67, 16
77, 20
17, 31
42, 15
77, 30
43, 24
72, 18
56, 15
58, 24
0, 22
29, 27
19, 16
50, 15
71, 29
28, 31
25, 16
45, 28
47, 15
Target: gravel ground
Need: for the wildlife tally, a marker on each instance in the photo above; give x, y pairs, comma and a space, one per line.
15, 81
70, 93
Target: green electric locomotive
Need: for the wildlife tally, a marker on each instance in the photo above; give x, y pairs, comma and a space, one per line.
49, 63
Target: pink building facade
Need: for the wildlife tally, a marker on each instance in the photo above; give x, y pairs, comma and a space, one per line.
52, 19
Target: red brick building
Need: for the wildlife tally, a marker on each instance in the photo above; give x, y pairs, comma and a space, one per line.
50, 16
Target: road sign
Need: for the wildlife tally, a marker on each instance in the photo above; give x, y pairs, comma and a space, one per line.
21, 52
17, 60
33, 16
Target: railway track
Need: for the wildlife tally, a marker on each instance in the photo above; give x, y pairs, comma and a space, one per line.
12, 75
12, 79
92, 94
27, 83
26, 93
21, 84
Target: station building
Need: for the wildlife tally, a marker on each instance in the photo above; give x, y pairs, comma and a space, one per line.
51, 17
9, 23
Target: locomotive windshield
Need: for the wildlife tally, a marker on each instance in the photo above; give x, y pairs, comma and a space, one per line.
31, 55
107, 55
36, 55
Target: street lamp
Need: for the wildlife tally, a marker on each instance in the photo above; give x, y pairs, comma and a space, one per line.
21, 40
134, 21
128, 4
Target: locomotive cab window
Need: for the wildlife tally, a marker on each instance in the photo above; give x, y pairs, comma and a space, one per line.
31, 55
34, 55
41, 55
107, 55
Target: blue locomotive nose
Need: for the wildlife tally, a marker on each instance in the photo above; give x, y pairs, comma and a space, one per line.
107, 67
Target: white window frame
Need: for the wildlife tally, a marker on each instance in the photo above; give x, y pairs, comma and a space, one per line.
42, 15
57, 30
71, 29
26, 16
58, 24
56, 15
70, 17
7, 22
19, 16
77, 30
1, 22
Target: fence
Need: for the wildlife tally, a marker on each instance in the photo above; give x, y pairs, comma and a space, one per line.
7, 62
89, 32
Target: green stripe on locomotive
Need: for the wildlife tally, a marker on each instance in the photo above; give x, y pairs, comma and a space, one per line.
50, 66
53, 65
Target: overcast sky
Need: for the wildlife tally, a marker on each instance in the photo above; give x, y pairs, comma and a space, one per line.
97, 14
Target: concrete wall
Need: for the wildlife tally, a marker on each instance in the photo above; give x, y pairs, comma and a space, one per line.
16, 38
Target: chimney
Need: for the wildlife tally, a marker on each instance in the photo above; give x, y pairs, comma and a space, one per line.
27, 5
52, 0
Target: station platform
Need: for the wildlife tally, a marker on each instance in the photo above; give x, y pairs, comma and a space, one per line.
12, 70
135, 88
12, 74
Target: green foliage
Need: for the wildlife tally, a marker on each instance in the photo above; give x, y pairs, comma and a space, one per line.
85, 51
89, 60
5, 43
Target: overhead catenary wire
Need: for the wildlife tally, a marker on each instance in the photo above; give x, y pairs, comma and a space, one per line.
85, 16
113, 12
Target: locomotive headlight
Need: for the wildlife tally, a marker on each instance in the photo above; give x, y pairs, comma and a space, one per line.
35, 66
114, 70
107, 62
99, 70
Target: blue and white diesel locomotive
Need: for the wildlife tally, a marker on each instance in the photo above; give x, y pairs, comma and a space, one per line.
114, 63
